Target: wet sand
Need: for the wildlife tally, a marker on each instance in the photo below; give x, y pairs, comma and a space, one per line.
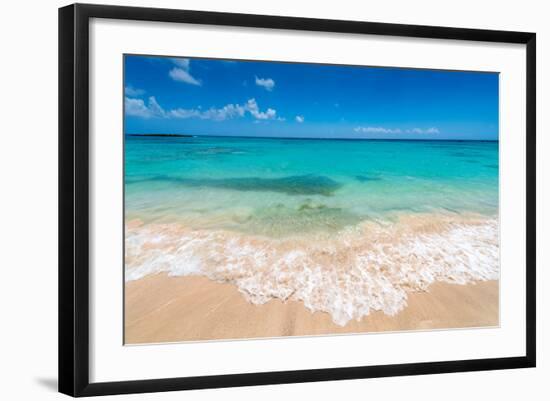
159, 308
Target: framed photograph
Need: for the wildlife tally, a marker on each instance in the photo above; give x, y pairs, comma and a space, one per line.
250, 199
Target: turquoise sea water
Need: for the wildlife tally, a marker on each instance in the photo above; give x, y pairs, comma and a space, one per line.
344, 226
280, 186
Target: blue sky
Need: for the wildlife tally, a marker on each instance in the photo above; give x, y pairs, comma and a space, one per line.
268, 99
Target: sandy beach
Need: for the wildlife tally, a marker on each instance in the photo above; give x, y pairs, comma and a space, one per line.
160, 308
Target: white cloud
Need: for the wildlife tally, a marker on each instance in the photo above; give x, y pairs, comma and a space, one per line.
134, 92
377, 130
184, 113
138, 108
226, 112
300, 119
179, 74
183, 63
135, 107
266, 83
182, 72
155, 108
252, 107
383, 130
431, 130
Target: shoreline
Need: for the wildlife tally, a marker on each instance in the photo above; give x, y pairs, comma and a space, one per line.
161, 308
361, 269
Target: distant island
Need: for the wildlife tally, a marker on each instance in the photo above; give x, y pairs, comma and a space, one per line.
170, 135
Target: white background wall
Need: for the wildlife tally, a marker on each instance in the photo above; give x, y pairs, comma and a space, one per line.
28, 198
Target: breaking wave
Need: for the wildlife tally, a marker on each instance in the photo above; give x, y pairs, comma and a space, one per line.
363, 268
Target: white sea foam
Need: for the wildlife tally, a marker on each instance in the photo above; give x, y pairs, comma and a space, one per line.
365, 268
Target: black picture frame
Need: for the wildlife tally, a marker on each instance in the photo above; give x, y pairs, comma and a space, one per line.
74, 198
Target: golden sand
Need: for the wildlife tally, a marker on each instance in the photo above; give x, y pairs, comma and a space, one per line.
159, 308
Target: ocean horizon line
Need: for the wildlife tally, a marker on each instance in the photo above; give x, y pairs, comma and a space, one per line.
178, 135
